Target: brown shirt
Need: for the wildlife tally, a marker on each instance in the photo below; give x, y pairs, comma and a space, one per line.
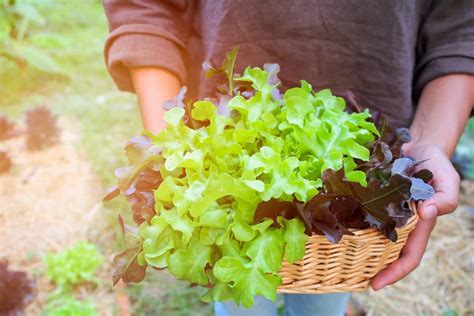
385, 52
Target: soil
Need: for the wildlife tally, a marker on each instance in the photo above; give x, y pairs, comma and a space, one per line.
49, 201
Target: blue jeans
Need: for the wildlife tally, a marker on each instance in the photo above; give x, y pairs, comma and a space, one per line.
295, 305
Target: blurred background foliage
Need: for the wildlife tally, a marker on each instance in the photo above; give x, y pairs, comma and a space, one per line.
22, 43
51, 54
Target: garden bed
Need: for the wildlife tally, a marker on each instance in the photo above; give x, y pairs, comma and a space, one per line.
61, 204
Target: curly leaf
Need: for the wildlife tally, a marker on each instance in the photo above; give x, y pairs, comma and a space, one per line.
247, 281
295, 240
127, 267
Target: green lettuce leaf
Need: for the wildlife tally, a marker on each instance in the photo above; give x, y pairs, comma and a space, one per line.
247, 281
295, 240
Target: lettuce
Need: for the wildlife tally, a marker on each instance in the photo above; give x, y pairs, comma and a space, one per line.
195, 187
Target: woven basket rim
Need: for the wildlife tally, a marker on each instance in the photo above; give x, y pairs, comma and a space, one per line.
328, 267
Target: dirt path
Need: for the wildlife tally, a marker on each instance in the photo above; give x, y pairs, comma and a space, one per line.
48, 201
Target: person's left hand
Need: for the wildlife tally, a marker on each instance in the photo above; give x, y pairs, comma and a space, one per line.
446, 182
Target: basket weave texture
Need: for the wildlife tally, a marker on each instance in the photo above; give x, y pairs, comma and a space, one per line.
348, 266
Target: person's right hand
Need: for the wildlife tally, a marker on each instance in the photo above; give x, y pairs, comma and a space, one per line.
446, 183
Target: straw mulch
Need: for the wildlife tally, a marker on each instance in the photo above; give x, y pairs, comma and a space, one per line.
444, 281
49, 201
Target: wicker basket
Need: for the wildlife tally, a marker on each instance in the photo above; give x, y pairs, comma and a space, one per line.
347, 266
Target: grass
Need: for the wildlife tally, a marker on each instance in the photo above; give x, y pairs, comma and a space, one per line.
178, 299
107, 118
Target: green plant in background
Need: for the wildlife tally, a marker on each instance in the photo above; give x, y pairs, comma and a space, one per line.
449, 312
464, 155
69, 306
17, 41
73, 266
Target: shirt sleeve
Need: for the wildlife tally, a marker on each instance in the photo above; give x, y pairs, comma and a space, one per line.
446, 42
147, 33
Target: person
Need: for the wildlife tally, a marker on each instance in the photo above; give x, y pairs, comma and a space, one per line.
411, 59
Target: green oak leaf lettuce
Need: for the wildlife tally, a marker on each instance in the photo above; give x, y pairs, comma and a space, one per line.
247, 280
295, 240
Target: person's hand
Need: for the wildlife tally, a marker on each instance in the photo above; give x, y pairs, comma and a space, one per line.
154, 86
446, 183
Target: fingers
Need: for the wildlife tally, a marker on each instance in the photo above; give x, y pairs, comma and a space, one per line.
410, 256
446, 182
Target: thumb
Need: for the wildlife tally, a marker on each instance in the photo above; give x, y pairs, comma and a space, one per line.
446, 183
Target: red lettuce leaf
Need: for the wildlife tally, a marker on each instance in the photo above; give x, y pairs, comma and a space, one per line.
16, 290
424, 174
273, 208
400, 213
381, 156
327, 211
112, 192
41, 128
419, 189
127, 267
393, 137
373, 199
139, 180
